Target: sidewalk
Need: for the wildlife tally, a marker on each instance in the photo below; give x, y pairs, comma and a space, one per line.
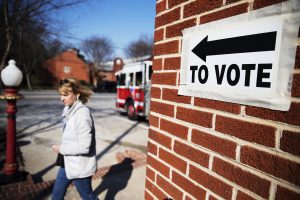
121, 150
108, 182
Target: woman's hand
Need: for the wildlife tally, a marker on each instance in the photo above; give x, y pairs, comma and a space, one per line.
55, 148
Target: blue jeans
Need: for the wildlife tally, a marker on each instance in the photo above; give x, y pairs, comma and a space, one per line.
83, 186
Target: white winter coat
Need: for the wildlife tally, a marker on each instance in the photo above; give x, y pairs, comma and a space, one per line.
78, 142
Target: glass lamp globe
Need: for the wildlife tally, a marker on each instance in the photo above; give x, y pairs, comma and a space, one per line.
11, 75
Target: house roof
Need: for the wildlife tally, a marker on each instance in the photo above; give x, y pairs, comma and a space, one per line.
108, 66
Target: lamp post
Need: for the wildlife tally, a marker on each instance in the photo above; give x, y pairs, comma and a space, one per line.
11, 77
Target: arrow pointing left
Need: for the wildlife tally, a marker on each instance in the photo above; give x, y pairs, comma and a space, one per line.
242, 44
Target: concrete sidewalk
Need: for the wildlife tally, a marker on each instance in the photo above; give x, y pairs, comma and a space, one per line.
121, 146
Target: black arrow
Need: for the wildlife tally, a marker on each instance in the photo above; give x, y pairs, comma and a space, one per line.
242, 44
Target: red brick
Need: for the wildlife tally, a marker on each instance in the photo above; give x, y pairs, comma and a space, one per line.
263, 3
159, 166
172, 63
212, 198
243, 178
173, 160
297, 58
153, 120
284, 193
231, 1
194, 116
175, 29
296, 86
173, 3
174, 129
150, 174
271, 164
243, 196
162, 108
290, 117
161, 6
229, 12
290, 142
166, 48
201, 6
167, 18
169, 188
164, 78
148, 196
191, 153
79, 69
160, 138
210, 182
157, 64
155, 191
184, 183
155, 92
218, 105
158, 35
188, 198
216, 144
152, 148
172, 95
248, 131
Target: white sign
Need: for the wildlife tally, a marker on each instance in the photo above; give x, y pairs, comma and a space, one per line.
240, 60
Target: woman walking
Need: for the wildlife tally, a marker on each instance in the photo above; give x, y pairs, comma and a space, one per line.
77, 151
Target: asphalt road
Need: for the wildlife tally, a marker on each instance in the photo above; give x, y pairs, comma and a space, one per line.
39, 126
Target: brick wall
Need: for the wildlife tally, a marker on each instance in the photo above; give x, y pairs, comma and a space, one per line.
207, 149
70, 58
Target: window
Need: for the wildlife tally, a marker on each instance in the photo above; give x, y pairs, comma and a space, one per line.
121, 79
67, 69
118, 61
139, 79
131, 79
150, 72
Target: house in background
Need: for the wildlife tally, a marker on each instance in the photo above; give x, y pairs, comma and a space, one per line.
107, 70
68, 64
106, 79
71, 64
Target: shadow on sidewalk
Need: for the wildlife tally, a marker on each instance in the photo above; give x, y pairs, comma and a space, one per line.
21, 134
116, 141
115, 179
38, 177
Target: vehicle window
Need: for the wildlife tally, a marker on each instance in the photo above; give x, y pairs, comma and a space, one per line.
150, 72
131, 79
139, 78
121, 79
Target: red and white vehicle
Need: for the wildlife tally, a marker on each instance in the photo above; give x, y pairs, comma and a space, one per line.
133, 89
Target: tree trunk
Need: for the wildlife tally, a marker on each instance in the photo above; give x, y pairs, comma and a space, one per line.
28, 81
3, 59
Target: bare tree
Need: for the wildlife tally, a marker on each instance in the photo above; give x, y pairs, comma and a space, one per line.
32, 51
98, 49
56, 46
141, 47
24, 31
15, 14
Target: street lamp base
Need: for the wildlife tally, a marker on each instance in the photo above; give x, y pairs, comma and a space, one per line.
10, 169
13, 178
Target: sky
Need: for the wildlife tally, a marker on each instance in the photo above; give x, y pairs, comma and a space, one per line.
122, 21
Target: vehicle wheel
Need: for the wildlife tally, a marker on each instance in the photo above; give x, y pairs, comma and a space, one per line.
131, 111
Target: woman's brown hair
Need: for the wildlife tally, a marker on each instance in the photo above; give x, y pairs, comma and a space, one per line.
73, 85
